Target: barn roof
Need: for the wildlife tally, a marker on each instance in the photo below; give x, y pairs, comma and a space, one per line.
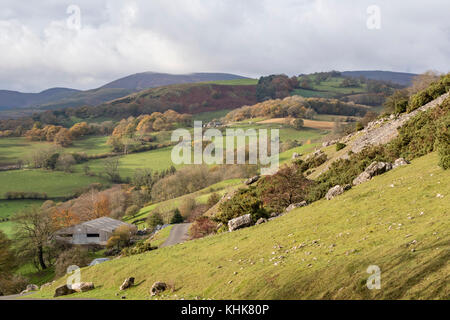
101, 224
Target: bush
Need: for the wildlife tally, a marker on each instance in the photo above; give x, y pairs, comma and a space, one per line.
139, 248
245, 201
132, 211
155, 220
177, 217
443, 144
435, 90
12, 284
213, 200
202, 227
340, 146
75, 256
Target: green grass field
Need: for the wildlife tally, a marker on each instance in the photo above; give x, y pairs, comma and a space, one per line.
10, 207
15, 149
54, 183
329, 88
321, 251
160, 237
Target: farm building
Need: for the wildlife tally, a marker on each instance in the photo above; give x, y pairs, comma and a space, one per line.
91, 232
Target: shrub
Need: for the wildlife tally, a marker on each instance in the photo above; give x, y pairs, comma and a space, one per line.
132, 211
75, 256
177, 217
427, 95
286, 187
121, 237
187, 206
12, 284
245, 201
139, 248
202, 227
213, 199
155, 220
340, 146
359, 126
443, 144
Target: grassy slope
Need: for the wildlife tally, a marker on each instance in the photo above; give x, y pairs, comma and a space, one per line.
161, 237
14, 149
369, 225
54, 183
9, 208
329, 88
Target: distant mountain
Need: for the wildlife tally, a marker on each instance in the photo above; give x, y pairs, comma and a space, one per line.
57, 98
401, 78
14, 99
147, 80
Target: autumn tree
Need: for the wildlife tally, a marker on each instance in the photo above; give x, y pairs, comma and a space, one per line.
286, 187
64, 218
63, 138
33, 233
79, 129
121, 237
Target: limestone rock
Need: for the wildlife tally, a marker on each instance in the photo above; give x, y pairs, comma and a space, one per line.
296, 205
157, 288
63, 290
127, 284
376, 168
239, 223
334, 192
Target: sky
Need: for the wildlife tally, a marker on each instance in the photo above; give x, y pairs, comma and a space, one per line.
84, 44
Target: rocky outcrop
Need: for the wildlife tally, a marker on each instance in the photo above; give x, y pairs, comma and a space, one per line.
239, 223
399, 163
296, 205
384, 130
376, 168
83, 286
296, 155
252, 180
334, 192
157, 288
30, 288
63, 290
261, 221
128, 283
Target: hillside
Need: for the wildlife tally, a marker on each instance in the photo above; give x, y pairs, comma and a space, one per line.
146, 80
58, 98
401, 78
318, 252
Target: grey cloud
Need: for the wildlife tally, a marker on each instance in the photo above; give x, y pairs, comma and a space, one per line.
251, 37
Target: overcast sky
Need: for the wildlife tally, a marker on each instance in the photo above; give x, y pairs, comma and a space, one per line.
42, 45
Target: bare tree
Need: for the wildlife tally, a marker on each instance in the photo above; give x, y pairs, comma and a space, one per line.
111, 166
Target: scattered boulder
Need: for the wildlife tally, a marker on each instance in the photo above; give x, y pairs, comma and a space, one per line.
261, 221
157, 288
295, 155
274, 214
376, 168
239, 223
30, 288
329, 143
63, 290
400, 162
127, 284
83, 286
334, 192
296, 205
252, 180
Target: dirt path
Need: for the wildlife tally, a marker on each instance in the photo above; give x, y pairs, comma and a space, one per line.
178, 234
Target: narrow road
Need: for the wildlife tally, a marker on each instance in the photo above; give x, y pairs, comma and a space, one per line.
15, 296
178, 234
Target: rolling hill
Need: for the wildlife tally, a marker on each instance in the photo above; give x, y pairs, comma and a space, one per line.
318, 252
58, 98
401, 78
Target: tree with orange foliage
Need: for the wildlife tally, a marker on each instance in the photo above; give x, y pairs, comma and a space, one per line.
64, 218
101, 207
